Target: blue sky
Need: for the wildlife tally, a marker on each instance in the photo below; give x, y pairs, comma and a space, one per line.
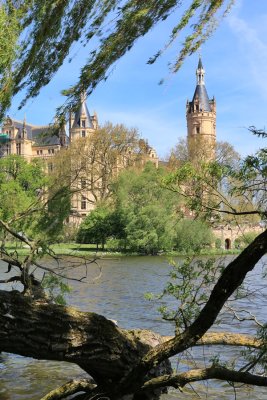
235, 60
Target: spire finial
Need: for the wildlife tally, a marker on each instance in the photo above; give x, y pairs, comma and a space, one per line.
24, 130
83, 96
200, 72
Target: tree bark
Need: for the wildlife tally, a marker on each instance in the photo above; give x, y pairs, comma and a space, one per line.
52, 332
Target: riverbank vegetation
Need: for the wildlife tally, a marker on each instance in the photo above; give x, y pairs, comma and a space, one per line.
143, 217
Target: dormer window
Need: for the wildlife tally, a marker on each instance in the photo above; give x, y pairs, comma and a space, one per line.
83, 123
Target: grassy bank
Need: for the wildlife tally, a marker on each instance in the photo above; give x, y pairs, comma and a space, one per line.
90, 250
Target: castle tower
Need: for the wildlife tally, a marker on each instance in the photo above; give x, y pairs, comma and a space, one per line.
201, 121
82, 124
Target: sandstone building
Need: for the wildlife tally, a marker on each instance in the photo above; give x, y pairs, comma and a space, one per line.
201, 121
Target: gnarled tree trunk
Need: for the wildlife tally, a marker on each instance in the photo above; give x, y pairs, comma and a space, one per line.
52, 332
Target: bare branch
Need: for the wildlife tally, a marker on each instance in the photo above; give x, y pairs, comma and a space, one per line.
17, 235
225, 339
11, 279
213, 372
69, 388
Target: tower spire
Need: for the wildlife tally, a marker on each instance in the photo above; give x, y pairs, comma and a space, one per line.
24, 129
200, 72
82, 118
201, 121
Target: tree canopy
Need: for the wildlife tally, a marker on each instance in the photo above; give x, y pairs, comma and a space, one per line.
36, 38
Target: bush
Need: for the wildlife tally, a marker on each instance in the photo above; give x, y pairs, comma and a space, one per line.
192, 235
245, 239
218, 243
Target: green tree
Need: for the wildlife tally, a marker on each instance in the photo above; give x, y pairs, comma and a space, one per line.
147, 210
97, 227
21, 183
192, 235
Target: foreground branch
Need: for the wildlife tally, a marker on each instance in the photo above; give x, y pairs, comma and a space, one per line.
72, 387
225, 339
52, 332
213, 372
230, 279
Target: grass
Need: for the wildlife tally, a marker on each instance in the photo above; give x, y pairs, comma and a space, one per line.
91, 249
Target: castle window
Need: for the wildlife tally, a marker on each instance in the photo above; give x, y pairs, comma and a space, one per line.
83, 183
83, 203
83, 123
18, 148
50, 167
83, 134
197, 107
197, 129
51, 151
39, 152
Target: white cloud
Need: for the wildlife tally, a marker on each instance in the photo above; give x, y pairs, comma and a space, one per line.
251, 38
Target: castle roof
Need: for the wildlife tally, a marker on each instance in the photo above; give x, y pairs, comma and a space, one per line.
82, 114
46, 135
202, 97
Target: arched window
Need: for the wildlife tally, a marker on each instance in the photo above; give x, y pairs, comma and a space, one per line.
227, 244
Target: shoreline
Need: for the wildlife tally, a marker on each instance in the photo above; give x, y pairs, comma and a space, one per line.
68, 249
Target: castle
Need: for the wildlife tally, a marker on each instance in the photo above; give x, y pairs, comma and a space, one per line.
44, 142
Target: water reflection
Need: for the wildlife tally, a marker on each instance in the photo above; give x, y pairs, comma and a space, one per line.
119, 294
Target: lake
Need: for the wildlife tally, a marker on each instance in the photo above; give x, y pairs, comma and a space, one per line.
119, 295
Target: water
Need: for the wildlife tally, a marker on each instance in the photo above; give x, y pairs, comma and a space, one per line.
119, 295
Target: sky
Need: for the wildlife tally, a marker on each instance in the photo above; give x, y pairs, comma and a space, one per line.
235, 61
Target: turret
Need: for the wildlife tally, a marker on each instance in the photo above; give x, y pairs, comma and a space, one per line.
81, 123
201, 121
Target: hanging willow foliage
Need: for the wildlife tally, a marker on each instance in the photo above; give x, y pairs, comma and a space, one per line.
36, 37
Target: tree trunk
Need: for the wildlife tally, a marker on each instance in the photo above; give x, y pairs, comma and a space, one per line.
52, 332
